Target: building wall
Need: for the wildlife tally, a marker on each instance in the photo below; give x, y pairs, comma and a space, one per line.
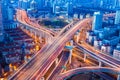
97, 22
1, 25
117, 17
116, 54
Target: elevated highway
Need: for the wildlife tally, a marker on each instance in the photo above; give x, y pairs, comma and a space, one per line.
98, 55
44, 58
46, 55
72, 72
22, 17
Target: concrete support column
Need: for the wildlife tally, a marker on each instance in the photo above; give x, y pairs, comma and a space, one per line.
118, 77
100, 63
56, 61
31, 32
85, 56
77, 40
40, 40
35, 35
26, 59
70, 58
70, 48
71, 42
77, 36
10, 67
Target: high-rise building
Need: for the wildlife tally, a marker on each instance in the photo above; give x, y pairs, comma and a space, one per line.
96, 3
41, 3
20, 3
70, 8
1, 25
101, 3
117, 3
33, 5
48, 3
25, 4
53, 7
117, 17
8, 15
97, 22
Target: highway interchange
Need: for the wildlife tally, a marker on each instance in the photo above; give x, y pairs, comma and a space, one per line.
43, 59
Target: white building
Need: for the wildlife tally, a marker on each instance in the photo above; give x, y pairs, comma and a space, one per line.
116, 52
97, 22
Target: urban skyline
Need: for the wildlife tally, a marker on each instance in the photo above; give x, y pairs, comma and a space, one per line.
60, 40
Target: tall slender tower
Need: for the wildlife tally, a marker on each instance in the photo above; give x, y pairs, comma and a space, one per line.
97, 21
25, 4
70, 8
1, 25
117, 17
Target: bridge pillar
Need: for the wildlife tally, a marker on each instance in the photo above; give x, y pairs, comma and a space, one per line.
77, 36
100, 63
56, 61
85, 56
118, 77
35, 35
40, 40
70, 59
31, 32
11, 67
71, 42
26, 60
70, 48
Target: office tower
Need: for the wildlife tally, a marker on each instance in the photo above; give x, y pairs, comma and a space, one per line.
10, 14
41, 3
20, 3
53, 7
70, 8
101, 3
96, 3
25, 4
48, 3
117, 17
97, 22
117, 3
33, 5
1, 25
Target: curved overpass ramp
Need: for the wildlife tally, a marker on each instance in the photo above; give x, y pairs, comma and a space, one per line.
87, 69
